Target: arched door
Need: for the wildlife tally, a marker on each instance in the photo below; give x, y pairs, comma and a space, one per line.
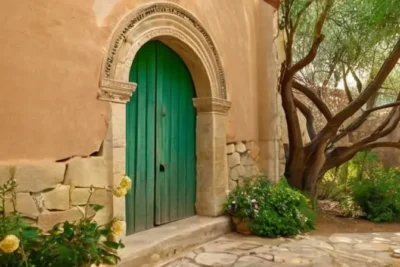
160, 139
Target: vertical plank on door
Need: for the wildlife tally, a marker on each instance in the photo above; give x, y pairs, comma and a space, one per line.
181, 146
140, 142
174, 115
150, 133
163, 125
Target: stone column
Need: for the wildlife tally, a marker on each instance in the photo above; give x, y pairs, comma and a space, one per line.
114, 153
118, 93
212, 170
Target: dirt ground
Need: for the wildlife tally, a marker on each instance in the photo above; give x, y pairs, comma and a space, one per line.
327, 224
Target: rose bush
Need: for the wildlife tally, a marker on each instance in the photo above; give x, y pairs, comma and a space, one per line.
81, 243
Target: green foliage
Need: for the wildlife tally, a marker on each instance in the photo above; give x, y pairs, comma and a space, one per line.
351, 208
378, 195
358, 34
80, 243
271, 210
364, 188
336, 183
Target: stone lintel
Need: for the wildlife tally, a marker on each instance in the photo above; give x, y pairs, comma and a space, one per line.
212, 105
116, 91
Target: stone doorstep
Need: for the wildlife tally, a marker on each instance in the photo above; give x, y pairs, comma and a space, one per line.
160, 244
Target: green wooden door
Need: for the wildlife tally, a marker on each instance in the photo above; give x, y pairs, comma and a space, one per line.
160, 137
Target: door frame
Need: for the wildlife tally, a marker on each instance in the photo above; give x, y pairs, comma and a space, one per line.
181, 31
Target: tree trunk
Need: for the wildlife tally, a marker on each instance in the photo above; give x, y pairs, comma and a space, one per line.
295, 162
313, 171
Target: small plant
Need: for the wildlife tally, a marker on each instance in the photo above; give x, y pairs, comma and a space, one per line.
271, 210
81, 243
350, 208
378, 195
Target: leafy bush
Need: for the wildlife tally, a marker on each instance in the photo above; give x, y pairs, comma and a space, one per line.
335, 185
378, 195
80, 243
271, 210
364, 188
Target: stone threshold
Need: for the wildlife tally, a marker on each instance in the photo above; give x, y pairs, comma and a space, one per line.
151, 247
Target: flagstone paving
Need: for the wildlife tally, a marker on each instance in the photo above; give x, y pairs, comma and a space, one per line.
352, 250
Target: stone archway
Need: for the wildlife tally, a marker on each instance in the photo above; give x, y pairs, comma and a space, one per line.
177, 28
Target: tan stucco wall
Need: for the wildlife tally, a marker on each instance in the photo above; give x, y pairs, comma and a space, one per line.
52, 53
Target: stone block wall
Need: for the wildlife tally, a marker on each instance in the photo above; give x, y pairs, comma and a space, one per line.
50, 193
243, 162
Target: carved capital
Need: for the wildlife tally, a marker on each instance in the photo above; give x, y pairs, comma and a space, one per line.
212, 105
116, 91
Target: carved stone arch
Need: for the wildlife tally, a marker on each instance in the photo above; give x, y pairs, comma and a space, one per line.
178, 29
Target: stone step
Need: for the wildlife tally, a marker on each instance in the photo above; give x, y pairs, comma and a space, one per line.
151, 247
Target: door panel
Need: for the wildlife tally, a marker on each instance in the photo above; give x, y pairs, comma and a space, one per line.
175, 186
160, 139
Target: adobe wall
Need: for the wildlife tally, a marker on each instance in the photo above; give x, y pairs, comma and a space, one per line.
52, 52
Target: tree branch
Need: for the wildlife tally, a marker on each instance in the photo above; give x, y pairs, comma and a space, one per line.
381, 144
391, 105
308, 115
361, 119
341, 155
358, 81
318, 38
377, 135
346, 86
372, 87
322, 107
300, 14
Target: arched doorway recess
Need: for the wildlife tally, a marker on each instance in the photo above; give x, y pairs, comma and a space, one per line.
160, 139
183, 33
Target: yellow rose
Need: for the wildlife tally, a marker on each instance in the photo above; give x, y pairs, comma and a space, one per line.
126, 182
9, 244
120, 192
117, 228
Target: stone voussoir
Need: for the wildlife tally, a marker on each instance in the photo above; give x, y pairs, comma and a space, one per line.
38, 177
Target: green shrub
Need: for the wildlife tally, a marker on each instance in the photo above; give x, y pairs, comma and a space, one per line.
378, 195
335, 184
81, 243
271, 210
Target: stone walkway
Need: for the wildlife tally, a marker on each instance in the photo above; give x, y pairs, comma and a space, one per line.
350, 250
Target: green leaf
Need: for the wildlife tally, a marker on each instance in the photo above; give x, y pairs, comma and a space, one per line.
121, 245
65, 252
30, 233
111, 244
110, 260
96, 207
